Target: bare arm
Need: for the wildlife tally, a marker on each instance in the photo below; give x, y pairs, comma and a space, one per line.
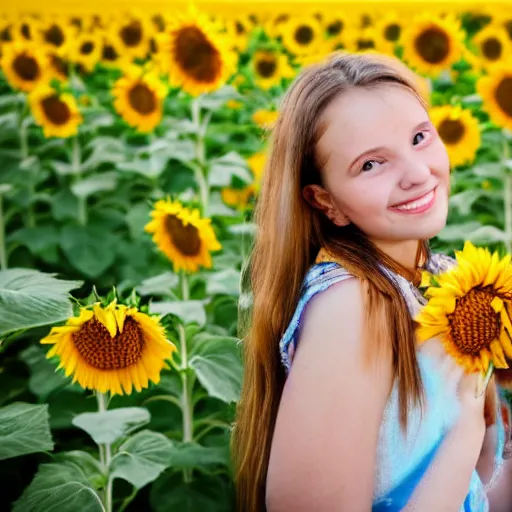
325, 439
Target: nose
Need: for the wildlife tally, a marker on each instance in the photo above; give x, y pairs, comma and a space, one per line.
415, 171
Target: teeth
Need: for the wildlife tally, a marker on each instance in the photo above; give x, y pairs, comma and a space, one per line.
418, 203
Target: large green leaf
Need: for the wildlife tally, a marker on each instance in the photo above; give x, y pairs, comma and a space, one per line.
218, 365
109, 426
29, 298
59, 487
24, 428
188, 311
44, 379
90, 249
203, 494
90, 466
224, 282
193, 455
142, 458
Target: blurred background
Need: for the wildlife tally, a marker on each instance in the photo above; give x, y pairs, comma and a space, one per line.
132, 145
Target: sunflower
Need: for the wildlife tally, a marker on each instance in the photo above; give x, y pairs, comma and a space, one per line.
496, 92
238, 31
138, 98
111, 56
432, 43
57, 34
25, 28
195, 54
303, 35
111, 349
269, 67
182, 235
274, 24
387, 32
25, 65
493, 45
335, 26
459, 131
56, 112
361, 40
243, 196
469, 309
265, 119
132, 34
86, 50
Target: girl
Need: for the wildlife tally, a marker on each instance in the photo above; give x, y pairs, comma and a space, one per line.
340, 409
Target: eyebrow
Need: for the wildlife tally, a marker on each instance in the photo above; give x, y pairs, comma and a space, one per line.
423, 124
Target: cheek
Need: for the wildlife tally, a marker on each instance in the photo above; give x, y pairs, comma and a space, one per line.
363, 199
440, 163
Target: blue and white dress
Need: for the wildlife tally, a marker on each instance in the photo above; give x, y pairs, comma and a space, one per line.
402, 459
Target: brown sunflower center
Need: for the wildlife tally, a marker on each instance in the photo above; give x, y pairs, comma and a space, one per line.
55, 36
196, 55
56, 110
185, 238
26, 67
59, 65
131, 34
109, 53
5, 35
239, 28
266, 68
508, 28
142, 99
26, 31
433, 45
474, 323
451, 131
392, 32
304, 35
492, 48
503, 95
334, 28
101, 351
87, 48
365, 44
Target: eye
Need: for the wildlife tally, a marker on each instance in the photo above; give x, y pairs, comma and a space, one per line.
419, 137
369, 165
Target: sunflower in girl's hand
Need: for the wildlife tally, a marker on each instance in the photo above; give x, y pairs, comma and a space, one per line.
469, 309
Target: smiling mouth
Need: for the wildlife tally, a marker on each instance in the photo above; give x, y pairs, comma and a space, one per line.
419, 205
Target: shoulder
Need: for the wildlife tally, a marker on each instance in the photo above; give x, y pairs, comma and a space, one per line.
317, 281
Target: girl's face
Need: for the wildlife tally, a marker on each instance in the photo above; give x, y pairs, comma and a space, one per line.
385, 169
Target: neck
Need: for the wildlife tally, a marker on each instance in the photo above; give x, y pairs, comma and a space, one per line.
405, 252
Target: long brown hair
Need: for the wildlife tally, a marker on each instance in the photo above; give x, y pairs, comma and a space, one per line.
290, 234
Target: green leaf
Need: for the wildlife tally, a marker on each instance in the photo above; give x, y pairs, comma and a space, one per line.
24, 428
64, 205
217, 207
161, 284
193, 455
204, 494
88, 464
136, 218
455, 232
109, 426
44, 379
92, 184
29, 298
463, 201
487, 234
36, 239
90, 249
142, 458
59, 487
218, 98
223, 169
188, 311
225, 282
218, 365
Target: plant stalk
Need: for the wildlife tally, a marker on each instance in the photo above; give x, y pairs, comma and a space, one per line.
76, 167
200, 170
3, 251
507, 197
105, 456
24, 154
186, 398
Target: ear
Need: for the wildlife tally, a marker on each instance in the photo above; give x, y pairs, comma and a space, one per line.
320, 199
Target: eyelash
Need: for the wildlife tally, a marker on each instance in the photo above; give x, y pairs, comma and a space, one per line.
423, 132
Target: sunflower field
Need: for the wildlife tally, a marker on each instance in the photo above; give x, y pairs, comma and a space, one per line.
132, 147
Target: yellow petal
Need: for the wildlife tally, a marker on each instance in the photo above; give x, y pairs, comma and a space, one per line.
497, 304
120, 315
107, 318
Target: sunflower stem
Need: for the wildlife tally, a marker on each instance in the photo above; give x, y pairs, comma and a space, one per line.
3, 252
200, 170
105, 456
24, 154
186, 391
77, 172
